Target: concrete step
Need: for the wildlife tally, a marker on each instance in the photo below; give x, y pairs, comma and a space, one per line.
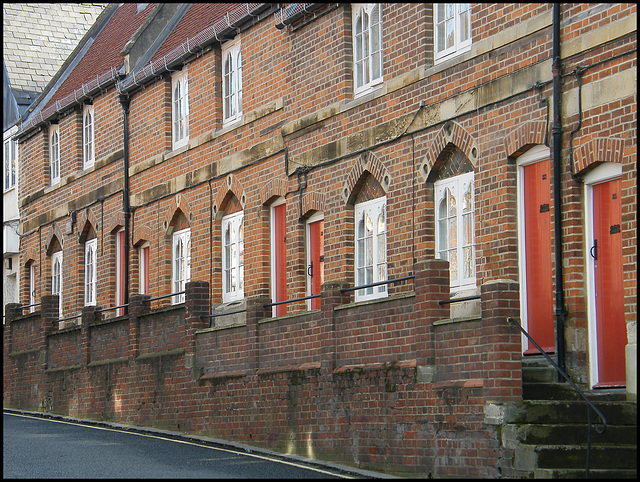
610, 474
564, 391
572, 412
571, 457
573, 434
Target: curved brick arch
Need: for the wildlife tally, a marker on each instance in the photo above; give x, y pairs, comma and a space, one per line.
520, 139
312, 201
597, 151
233, 186
54, 233
141, 235
274, 188
451, 135
116, 222
367, 162
29, 256
178, 203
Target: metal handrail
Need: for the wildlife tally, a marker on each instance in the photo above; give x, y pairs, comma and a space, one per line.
455, 300
112, 308
21, 307
70, 318
268, 305
166, 296
378, 283
590, 405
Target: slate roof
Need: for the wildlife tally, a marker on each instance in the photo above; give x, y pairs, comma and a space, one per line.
37, 38
101, 60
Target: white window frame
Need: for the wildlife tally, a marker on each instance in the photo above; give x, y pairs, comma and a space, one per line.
56, 278
231, 82
180, 263
90, 271
367, 55
54, 154
88, 137
457, 185
10, 155
457, 18
32, 287
179, 109
143, 256
368, 270
233, 257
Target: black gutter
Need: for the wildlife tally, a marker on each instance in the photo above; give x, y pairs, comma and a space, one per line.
125, 101
557, 192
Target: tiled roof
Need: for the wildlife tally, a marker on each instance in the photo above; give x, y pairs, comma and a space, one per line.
104, 52
37, 39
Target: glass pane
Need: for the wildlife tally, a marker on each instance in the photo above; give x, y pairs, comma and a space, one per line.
467, 225
449, 26
452, 205
368, 251
382, 248
442, 235
469, 265
442, 207
368, 223
453, 233
464, 26
466, 199
440, 11
453, 265
369, 279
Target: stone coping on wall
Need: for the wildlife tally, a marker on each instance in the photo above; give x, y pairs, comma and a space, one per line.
375, 366
160, 354
462, 319
355, 304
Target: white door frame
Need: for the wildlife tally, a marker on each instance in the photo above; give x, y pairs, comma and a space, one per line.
605, 172
533, 155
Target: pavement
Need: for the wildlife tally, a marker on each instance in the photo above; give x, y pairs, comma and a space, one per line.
225, 444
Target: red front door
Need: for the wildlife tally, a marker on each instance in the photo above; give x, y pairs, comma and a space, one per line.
315, 270
606, 255
280, 255
539, 289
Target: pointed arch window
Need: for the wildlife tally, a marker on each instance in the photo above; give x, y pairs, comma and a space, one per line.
233, 257
181, 271
180, 109
90, 272
371, 247
367, 45
455, 237
56, 278
54, 154
88, 144
231, 81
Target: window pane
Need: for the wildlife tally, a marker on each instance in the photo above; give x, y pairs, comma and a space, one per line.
469, 266
449, 33
453, 233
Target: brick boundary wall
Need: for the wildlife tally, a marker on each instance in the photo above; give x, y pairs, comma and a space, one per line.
404, 391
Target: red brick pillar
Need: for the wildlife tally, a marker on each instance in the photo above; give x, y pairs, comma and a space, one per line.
501, 344
138, 304
49, 314
89, 317
255, 311
431, 285
196, 304
330, 297
9, 376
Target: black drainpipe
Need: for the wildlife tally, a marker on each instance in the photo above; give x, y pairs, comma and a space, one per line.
125, 101
557, 192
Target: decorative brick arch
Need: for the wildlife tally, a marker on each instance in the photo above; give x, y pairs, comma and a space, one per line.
274, 188
141, 235
312, 201
597, 151
370, 163
450, 136
54, 232
86, 219
116, 222
178, 203
29, 256
231, 185
520, 139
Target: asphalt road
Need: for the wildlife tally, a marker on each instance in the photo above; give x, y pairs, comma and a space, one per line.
36, 447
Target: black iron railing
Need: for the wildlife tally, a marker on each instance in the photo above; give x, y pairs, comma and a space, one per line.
590, 405
378, 283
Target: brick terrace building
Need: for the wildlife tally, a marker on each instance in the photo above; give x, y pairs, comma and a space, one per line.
214, 159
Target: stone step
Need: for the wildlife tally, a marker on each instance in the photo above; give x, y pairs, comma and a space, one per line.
571, 434
570, 457
559, 412
611, 474
564, 391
